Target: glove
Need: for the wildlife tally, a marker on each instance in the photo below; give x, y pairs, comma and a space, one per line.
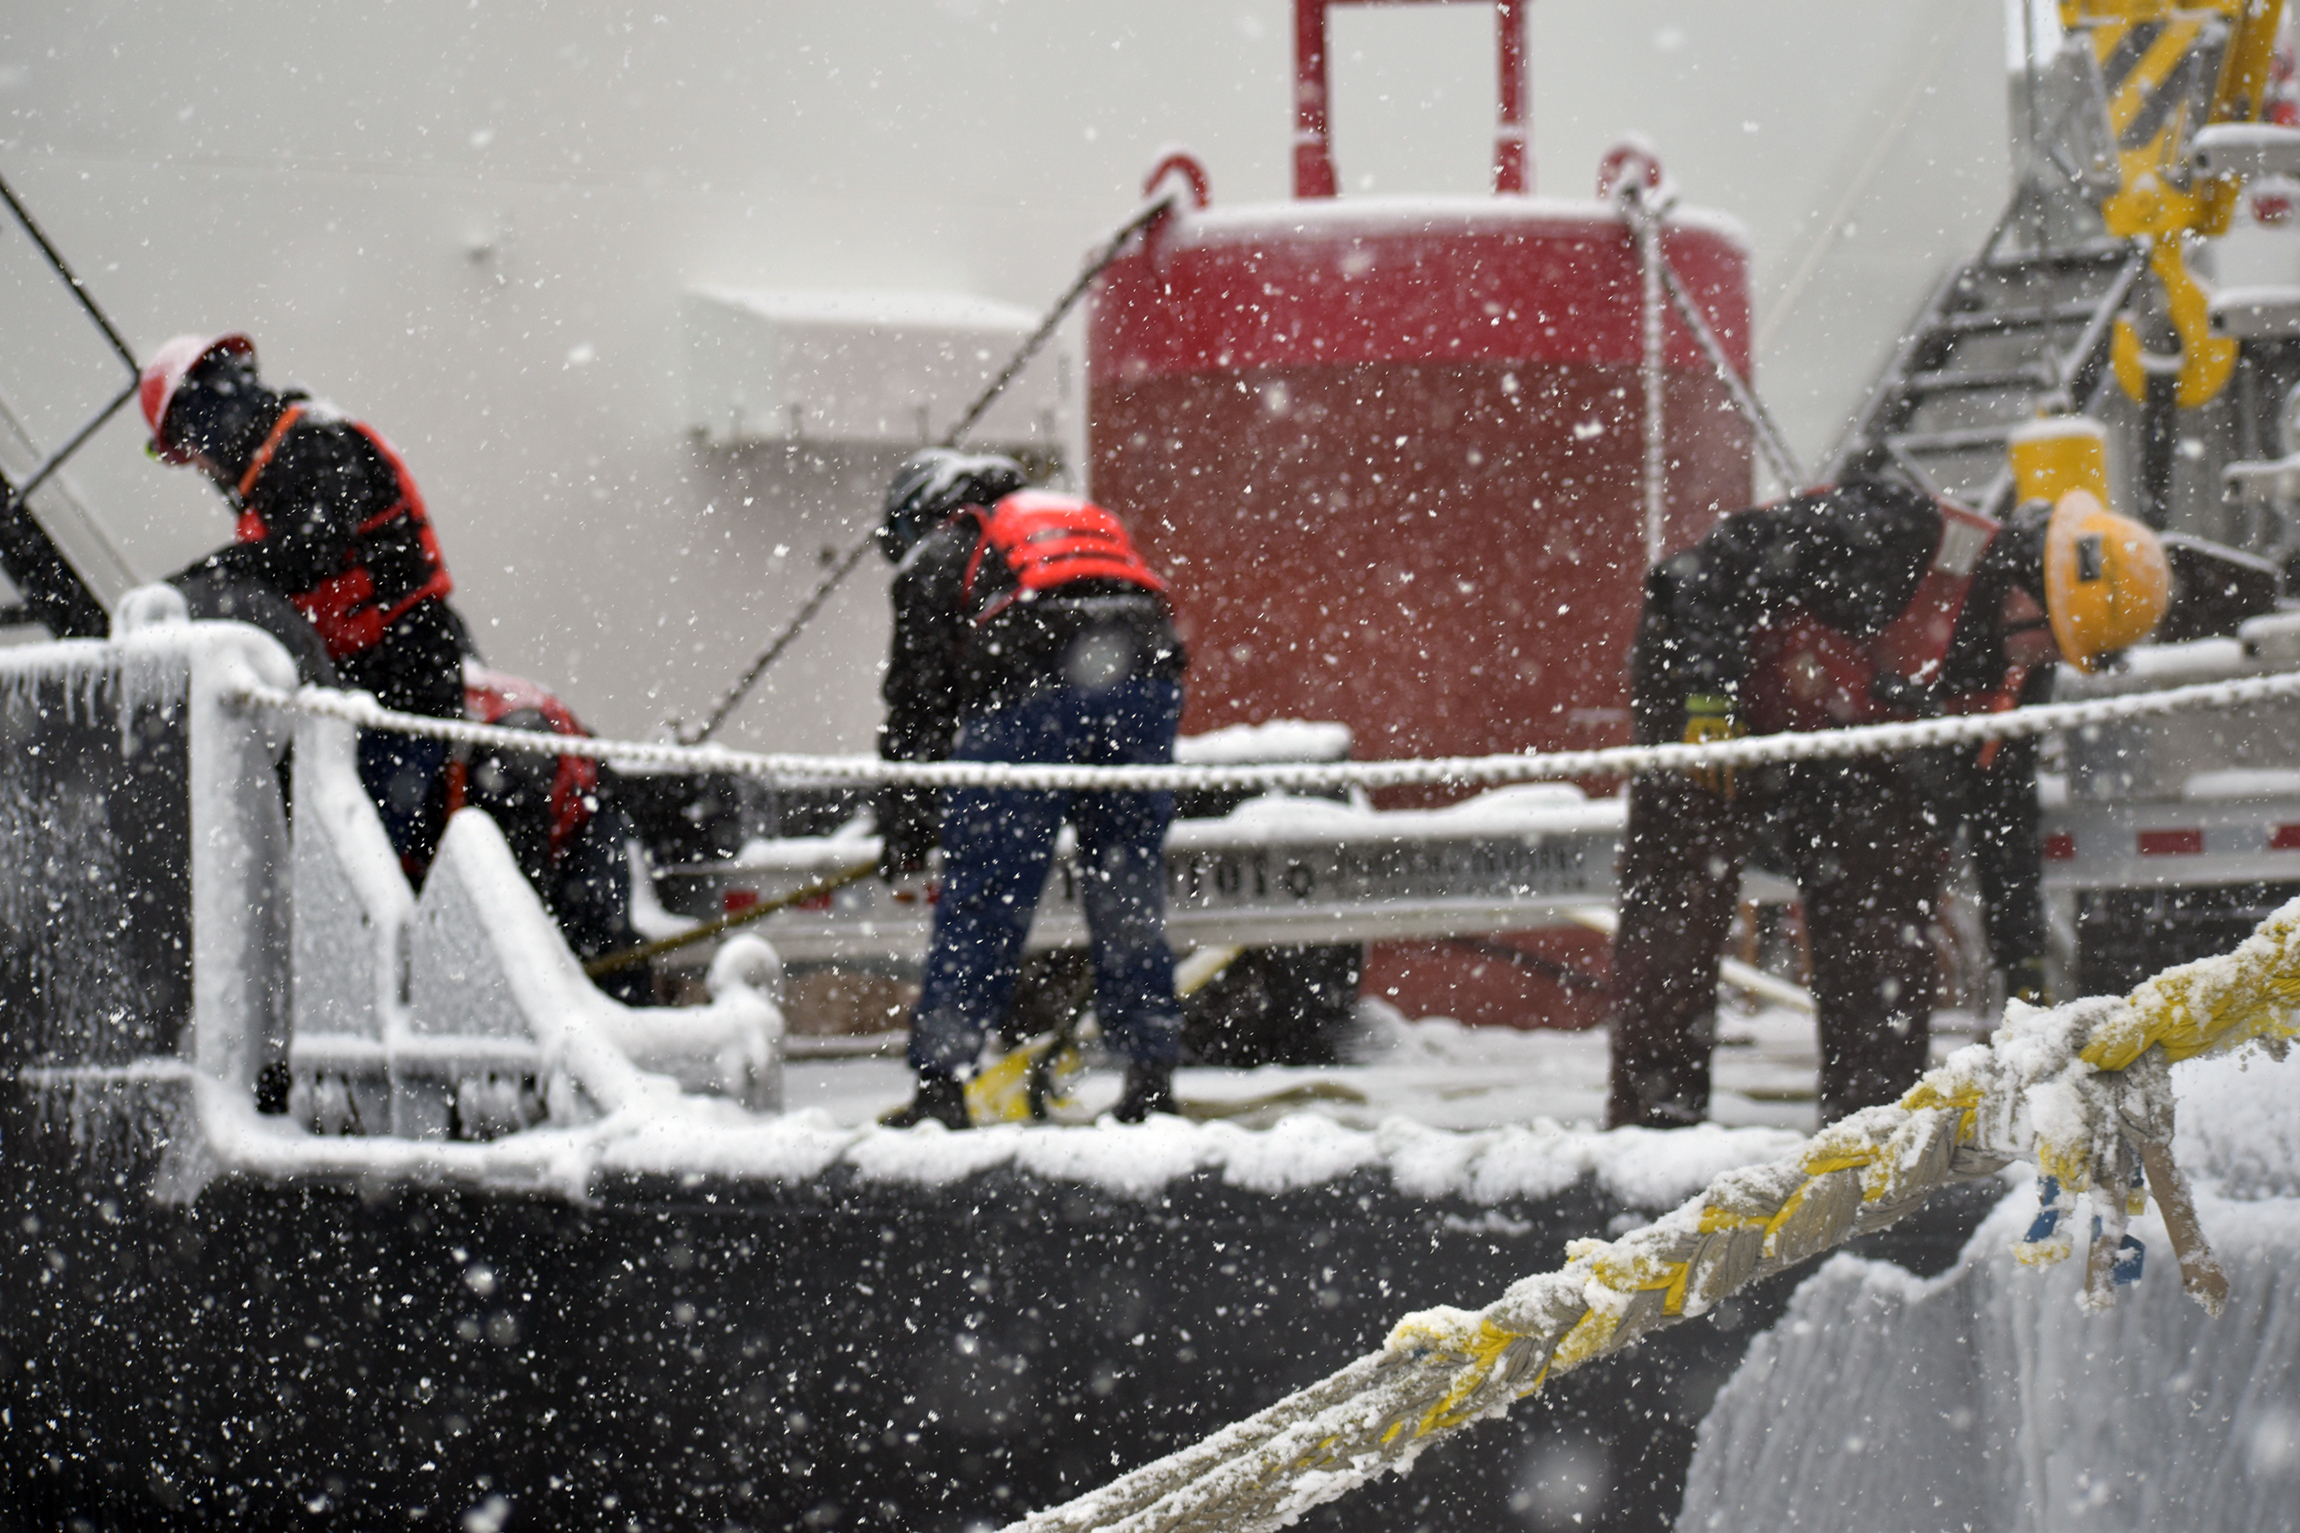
1708, 720
2025, 981
909, 824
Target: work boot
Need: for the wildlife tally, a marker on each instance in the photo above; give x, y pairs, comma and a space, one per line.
938, 1098
1149, 1089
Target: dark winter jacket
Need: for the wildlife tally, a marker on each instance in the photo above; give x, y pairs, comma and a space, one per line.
945, 666
1853, 558
317, 503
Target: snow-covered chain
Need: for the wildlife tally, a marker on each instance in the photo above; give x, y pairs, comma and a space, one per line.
2084, 1090
1617, 761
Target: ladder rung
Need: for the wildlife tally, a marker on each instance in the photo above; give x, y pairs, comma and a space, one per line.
1967, 321
1946, 381
2091, 253
1963, 439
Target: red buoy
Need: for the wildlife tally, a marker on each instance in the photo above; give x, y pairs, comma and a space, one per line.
1392, 453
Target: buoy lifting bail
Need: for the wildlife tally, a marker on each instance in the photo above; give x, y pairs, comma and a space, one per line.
1313, 140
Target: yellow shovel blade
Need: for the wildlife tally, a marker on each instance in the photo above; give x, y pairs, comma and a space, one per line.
1001, 1094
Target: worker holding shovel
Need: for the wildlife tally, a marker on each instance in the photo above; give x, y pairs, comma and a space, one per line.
1027, 629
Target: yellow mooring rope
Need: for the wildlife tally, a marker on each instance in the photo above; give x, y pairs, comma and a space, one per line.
2083, 1089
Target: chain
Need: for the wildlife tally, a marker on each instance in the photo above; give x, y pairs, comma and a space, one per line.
1657, 268
1645, 222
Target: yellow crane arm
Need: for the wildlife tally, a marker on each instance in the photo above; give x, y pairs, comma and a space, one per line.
2167, 70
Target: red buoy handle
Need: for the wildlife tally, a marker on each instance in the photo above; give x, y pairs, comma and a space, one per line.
1181, 163
1313, 144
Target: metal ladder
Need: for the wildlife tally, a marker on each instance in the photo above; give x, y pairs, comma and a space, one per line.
2011, 332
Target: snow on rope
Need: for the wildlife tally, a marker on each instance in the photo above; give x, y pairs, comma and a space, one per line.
1617, 761
2084, 1090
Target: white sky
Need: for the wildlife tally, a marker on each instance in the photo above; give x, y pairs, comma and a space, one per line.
471, 225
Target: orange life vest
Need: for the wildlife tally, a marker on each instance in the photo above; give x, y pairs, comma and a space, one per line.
351, 609
490, 697
1048, 541
1806, 675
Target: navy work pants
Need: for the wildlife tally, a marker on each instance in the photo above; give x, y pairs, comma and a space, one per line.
997, 844
1869, 855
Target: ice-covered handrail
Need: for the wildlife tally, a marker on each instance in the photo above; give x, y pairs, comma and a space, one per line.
2084, 1090
1307, 777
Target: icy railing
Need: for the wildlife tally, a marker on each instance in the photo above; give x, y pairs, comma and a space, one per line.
132, 793
158, 921
462, 1014
418, 1028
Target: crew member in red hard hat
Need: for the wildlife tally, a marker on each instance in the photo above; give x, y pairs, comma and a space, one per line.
335, 555
1861, 604
1027, 629
331, 520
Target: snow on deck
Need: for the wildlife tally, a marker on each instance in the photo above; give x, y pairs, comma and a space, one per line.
1486, 1114
1433, 1072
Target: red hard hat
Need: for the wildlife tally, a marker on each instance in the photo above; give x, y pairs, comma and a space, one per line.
164, 374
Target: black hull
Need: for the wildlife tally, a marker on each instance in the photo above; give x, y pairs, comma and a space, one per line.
731, 1353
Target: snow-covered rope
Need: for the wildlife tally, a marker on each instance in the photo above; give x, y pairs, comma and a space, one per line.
2085, 1091
1305, 777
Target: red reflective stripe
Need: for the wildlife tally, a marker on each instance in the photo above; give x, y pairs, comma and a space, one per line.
2284, 838
1060, 566
437, 585
974, 562
2171, 843
440, 582
380, 517
2060, 847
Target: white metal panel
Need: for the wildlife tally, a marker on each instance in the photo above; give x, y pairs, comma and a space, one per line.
897, 368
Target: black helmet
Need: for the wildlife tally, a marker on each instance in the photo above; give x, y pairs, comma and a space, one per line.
934, 482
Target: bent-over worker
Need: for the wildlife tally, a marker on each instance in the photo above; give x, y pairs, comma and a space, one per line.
329, 519
334, 555
1027, 629
1860, 604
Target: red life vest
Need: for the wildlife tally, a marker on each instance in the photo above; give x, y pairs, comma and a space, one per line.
490, 697
1048, 541
350, 609
1806, 675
